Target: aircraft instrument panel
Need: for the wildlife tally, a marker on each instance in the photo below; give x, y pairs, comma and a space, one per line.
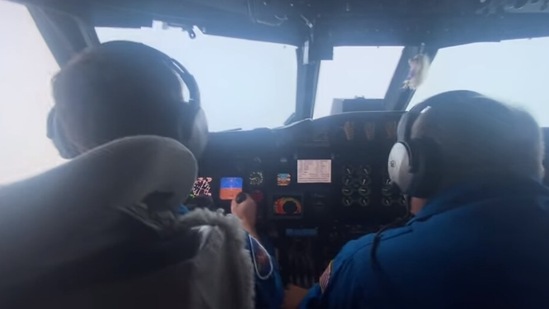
318, 183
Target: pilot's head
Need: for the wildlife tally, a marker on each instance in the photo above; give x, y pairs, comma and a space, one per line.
121, 89
462, 136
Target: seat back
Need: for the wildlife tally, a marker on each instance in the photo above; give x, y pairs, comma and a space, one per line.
88, 235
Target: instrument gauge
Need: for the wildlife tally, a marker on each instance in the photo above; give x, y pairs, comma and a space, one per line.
256, 178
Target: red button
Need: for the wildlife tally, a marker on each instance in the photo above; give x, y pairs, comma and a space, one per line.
257, 196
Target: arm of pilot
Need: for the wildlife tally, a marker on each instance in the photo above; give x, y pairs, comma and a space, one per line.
41, 214
245, 209
268, 284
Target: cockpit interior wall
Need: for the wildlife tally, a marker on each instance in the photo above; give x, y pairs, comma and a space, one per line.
318, 183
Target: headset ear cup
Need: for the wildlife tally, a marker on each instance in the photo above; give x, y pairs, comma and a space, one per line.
426, 168
57, 136
198, 137
399, 166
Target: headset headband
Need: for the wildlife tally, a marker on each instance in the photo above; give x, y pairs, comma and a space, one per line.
194, 121
176, 66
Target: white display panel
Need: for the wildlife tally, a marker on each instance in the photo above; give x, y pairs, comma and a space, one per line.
314, 171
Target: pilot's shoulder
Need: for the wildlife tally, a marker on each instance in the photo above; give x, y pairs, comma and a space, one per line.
354, 259
388, 237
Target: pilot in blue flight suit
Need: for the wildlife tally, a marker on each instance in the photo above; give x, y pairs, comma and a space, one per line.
472, 169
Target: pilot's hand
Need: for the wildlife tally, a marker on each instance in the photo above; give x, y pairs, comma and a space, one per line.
293, 296
245, 208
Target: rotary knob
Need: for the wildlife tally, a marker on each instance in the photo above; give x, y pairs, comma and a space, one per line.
347, 181
348, 170
347, 201
364, 180
365, 170
363, 191
347, 191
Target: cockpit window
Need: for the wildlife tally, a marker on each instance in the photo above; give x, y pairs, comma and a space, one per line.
243, 84
26, 67
516, 71
355, 71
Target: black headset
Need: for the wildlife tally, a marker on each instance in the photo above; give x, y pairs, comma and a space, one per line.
414, 165
194, 118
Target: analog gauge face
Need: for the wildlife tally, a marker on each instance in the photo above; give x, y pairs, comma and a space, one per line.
202, 187
256, 178
287, 206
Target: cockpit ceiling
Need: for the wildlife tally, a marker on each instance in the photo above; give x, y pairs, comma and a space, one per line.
328, 22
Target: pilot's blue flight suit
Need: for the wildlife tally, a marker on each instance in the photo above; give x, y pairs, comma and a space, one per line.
482, 245
269, 290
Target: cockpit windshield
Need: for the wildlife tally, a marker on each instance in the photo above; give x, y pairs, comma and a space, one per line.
516, 71
243, 84
355, 71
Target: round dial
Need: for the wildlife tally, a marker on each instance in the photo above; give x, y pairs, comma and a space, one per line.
202, 187
290, 207
287, 206
256, 178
